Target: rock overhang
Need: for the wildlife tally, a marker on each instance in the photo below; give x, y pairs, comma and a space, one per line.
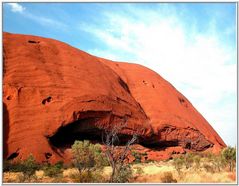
54, 86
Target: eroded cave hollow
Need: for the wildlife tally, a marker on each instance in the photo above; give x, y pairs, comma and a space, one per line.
78, 130
83, 129
86, 129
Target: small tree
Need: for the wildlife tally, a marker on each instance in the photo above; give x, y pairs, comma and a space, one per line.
116, 156
229, 154
87, 158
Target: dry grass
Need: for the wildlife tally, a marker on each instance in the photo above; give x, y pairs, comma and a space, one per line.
154, 172
204, 177
71, 172
13, 177
39, 174
150, 173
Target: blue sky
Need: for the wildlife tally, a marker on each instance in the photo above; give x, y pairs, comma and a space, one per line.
192, 45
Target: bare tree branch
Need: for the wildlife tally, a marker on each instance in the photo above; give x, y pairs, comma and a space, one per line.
116, 155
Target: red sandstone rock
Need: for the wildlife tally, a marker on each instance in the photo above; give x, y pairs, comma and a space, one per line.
54, 93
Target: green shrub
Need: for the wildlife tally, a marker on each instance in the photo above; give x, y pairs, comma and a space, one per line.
87, 155
53, 170
229, 155
124, 175
28, 166
138, 156
168, 178
89, 159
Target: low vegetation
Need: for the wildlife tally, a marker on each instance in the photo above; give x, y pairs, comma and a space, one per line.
53, 170
168, 178
90, 164
89, 160
28, 166
225, 160
117, 155
179, 163
138, 156
229, 156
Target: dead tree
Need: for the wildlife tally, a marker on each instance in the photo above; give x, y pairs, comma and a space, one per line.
116, 156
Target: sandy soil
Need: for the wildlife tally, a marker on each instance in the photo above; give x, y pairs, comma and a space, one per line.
150, 173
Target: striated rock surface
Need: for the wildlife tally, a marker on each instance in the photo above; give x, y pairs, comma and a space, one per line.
54, 94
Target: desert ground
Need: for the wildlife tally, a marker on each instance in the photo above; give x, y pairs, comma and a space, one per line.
152, 172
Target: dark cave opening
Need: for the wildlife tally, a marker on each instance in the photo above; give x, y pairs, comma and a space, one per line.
158, 145
78, 130
85, 129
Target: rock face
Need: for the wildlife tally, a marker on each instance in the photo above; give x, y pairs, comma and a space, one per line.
54, 94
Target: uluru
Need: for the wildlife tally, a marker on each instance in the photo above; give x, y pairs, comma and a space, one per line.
54, 94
